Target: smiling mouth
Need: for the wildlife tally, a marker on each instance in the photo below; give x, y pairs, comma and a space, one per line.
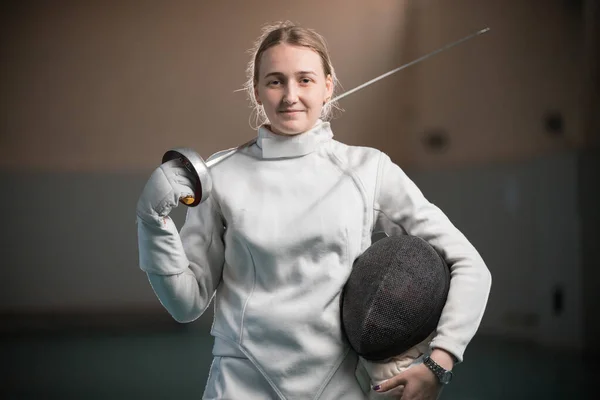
290, 111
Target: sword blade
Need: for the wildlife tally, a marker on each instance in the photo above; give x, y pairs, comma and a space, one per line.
418, 60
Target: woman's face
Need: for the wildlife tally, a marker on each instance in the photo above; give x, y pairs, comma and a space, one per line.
292, 88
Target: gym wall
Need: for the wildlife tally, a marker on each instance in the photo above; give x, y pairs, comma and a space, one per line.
493, 130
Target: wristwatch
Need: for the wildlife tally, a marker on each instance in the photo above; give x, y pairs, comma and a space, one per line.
443, 375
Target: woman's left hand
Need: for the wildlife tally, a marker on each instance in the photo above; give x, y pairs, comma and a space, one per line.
418, 381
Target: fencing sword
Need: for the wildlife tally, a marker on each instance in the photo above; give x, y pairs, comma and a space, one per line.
418, 60
199, 169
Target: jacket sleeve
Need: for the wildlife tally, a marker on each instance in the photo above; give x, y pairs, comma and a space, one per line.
398, 202
184, 268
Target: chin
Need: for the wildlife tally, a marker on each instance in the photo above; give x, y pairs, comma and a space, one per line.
293, 127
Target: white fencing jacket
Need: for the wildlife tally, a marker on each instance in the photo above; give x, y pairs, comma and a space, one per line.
276, 242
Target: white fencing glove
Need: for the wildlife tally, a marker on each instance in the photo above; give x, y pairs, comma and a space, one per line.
167, 184
160, 249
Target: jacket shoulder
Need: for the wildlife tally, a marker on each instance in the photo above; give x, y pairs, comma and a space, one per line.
356, 156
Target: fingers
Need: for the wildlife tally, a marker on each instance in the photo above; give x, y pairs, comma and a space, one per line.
394, 393
183, 185
182, 179
176, 167
395, 382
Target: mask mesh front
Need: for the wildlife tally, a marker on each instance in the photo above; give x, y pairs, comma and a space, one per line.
394, 296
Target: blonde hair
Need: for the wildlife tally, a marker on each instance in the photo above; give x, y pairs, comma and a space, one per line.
289, 33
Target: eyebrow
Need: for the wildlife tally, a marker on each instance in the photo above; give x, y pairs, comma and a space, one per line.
297, 73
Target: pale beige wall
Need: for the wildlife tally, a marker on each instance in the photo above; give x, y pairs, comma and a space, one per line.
491, 95
110, 85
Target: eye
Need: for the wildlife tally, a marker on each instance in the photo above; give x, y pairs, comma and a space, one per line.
305, 81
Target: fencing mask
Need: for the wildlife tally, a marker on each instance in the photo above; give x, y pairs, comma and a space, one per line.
394, 296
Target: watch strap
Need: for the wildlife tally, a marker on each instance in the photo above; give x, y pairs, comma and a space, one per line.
441, 373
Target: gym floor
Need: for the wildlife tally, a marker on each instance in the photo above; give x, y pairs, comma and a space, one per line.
173, 364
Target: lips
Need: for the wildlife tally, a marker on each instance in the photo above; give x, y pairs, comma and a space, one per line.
290, 111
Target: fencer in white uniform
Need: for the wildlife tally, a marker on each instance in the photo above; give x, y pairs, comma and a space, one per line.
275, 243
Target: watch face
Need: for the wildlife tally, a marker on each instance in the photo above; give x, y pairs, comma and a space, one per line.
446, 377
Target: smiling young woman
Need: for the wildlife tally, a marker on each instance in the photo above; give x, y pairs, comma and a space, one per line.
292, 88
276, 241
291, 79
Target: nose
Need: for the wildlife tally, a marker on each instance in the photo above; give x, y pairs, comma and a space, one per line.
290, 95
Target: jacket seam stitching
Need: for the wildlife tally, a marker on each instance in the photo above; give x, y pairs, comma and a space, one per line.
257, 366
358, 183
249, 296
336, 367
377, 190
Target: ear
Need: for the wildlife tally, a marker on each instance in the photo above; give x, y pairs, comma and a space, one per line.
329, 88
256, 96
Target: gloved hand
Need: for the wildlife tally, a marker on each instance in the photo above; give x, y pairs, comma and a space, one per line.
160, 248
167, 184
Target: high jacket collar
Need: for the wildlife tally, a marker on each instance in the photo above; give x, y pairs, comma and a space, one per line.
281, 146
